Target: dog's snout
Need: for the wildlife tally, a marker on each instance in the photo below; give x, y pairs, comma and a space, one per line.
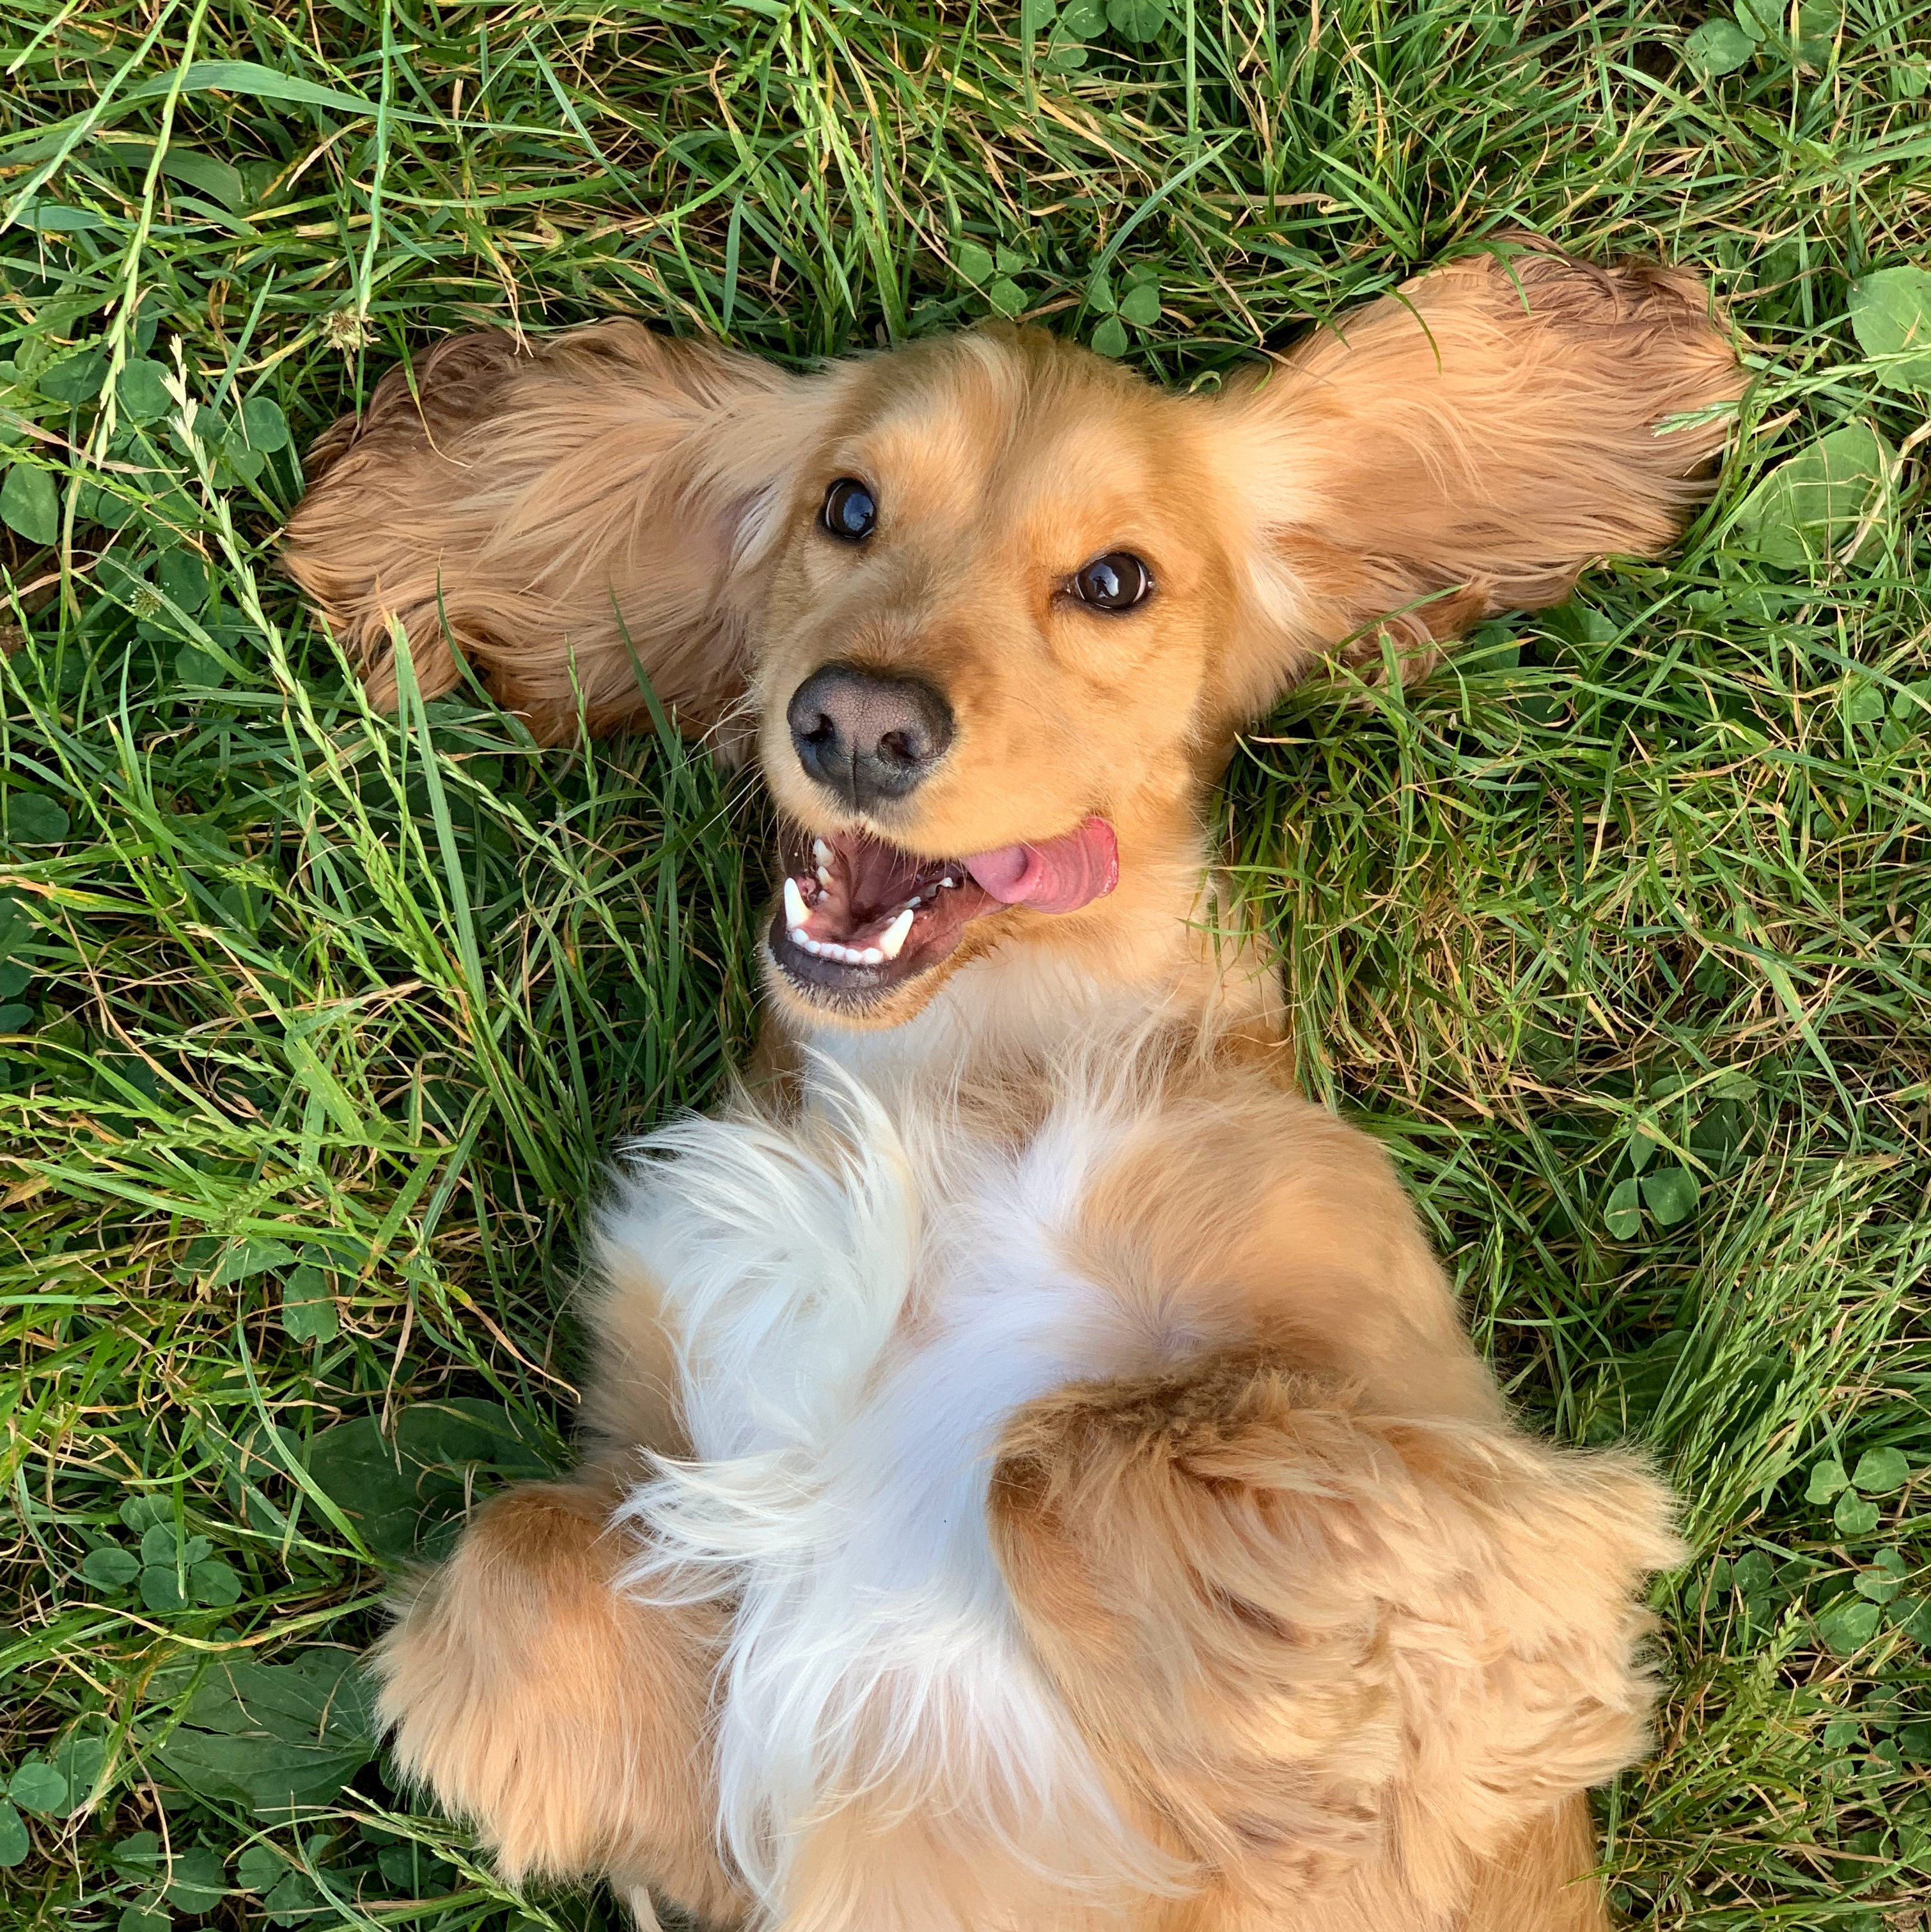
867, 735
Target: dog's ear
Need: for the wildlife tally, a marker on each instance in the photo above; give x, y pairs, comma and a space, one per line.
1465, 446
561, 514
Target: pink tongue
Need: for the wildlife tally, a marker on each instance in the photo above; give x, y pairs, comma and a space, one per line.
1057, 875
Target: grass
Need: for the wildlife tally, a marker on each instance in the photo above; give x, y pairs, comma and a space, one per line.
315, 1026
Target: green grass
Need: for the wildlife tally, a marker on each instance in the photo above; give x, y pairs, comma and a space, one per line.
315, 1026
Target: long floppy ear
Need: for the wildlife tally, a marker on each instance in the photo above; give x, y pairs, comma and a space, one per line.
559, 513
1345, 1654
1466, 446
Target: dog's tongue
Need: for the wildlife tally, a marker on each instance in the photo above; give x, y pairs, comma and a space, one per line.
1057, 875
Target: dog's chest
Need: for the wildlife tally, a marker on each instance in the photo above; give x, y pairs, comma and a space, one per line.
855, 1344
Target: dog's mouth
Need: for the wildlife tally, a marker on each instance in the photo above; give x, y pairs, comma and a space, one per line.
858, 917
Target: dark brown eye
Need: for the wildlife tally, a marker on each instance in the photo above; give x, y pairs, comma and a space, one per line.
1116, 581
850, 511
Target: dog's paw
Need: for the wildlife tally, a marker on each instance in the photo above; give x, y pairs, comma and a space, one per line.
568, 1721
1310, 1631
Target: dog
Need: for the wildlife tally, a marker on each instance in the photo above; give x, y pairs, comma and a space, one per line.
1034, 1471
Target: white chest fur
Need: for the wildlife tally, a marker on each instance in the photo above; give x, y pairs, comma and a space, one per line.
859, 1307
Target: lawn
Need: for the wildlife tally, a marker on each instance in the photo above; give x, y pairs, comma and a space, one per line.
316, 1026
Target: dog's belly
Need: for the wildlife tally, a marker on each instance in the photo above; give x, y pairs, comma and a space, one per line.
857, 1328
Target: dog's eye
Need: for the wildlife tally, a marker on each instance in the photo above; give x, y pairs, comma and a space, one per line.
1116, 581
850, 511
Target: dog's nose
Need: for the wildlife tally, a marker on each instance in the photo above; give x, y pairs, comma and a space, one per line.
867, 735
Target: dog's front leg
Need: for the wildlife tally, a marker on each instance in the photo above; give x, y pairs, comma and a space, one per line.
569, 1721
1366, 1665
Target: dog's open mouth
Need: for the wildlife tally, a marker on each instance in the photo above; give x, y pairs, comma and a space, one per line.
857, 916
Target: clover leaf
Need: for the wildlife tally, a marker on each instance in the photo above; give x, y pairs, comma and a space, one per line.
1881, 1471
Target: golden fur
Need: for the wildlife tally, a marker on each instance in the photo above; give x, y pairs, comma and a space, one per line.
1345, 1646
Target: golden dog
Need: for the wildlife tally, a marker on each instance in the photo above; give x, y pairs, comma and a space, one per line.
1036, 1474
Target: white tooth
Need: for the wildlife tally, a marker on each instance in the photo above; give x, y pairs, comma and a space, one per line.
806, 942
795, 914
871, 956
824, 877
893, 938
915, 900
821, 852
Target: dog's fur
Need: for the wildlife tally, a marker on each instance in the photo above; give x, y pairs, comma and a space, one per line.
1051, 1486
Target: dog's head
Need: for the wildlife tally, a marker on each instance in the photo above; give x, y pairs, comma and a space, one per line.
985, 663
994, 606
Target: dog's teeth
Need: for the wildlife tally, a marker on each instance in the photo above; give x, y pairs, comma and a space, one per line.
795, 914
871, 956
824, 877
822, 852
893, 938
913, 902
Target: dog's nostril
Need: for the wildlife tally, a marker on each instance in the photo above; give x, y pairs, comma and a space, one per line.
867, 735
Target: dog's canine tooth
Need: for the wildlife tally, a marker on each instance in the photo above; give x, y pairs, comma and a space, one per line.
893, 938
795, 914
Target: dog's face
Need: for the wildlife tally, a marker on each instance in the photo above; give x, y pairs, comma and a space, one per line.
980, 664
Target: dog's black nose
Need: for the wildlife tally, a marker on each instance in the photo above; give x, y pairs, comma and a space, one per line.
867, 735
